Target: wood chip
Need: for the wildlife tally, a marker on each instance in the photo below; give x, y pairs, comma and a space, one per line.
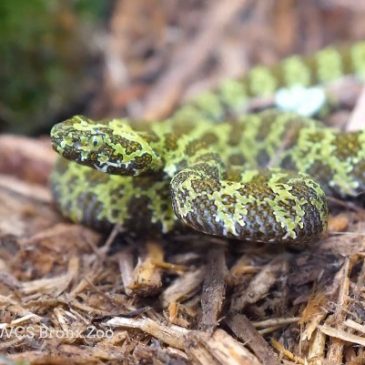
219, 348
246, 332
147, 275
213, 289
171, 335
259, 285
342, 335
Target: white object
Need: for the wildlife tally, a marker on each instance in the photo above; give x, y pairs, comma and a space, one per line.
305, 101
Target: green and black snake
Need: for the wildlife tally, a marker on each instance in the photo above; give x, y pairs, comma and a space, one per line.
261, 177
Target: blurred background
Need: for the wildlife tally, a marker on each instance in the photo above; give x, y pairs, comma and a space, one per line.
140, 58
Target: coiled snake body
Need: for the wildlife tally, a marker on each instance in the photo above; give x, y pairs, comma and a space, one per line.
258, 177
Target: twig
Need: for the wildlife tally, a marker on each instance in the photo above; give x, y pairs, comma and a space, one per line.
275, 322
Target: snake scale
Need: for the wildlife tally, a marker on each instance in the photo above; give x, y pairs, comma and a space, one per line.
211, 166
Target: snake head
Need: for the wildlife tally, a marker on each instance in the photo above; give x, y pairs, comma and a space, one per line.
109, 146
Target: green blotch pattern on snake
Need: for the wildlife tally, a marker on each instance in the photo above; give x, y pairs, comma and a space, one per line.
261, 177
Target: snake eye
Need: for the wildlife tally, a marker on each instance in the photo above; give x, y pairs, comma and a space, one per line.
96, 140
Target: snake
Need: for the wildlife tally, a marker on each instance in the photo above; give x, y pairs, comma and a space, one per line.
213, 167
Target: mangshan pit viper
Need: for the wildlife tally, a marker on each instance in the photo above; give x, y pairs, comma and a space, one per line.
262, 177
